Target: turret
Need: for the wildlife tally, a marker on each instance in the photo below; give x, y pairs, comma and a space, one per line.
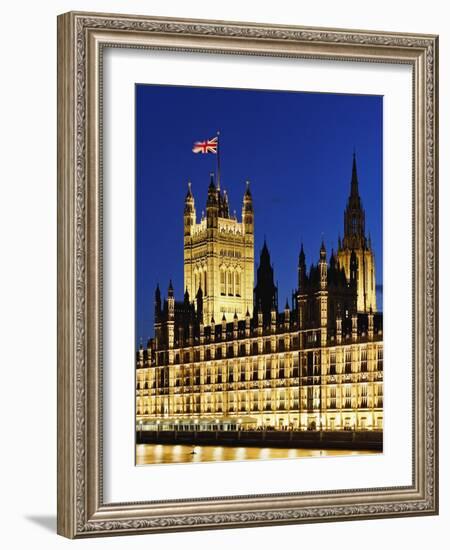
354, 327
189, 211
157, 303
213, 329
247, 210
338, 328
273, 316
212, 205
171, 301
235, 325
225, 208
287, 315
260, 319
370, 325
247, 323
301, 270
224, 327
323, 267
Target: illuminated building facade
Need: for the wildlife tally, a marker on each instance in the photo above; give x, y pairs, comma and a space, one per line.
226, 358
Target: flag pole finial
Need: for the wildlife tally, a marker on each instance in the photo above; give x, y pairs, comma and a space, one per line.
218, 160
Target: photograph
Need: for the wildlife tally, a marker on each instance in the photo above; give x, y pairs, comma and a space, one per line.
248, 321
258, 274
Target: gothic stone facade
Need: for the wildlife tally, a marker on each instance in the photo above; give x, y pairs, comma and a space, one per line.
229, 359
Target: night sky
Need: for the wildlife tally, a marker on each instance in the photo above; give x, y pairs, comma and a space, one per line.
295, 148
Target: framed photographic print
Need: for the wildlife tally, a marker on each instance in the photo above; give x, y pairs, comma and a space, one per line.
247, 274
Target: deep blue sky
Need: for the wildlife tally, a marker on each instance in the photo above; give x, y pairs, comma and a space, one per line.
296, 150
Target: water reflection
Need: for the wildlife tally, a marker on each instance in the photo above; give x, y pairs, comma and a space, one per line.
176, 454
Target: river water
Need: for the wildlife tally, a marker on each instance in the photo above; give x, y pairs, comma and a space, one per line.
176, 454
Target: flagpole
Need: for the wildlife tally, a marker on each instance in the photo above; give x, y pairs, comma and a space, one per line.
218, 160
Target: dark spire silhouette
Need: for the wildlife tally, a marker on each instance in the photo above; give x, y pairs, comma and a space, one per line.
301, 256
212, 186
323, 251
157, 302
266, 292
354, 191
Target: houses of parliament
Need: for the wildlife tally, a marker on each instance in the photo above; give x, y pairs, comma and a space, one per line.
228, 357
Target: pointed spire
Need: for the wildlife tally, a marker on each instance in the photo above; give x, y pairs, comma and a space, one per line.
235, 315
332, 260
247, 313
286, 307
323, 251
354, 183
212, 186
274, 306
189, 191
223, 318
186, 296
170, 293
225, 211
247, 189
301, 257
213, 198
265, 252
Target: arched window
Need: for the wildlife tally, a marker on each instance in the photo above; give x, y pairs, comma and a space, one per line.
237, 283
222, 282
230, 283
196, 282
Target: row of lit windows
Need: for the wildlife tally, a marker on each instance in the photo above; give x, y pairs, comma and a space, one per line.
269, 368
259, 404
230, 253
347, 396
269, 345
196, 381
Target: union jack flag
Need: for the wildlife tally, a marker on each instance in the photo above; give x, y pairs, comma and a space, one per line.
207, 146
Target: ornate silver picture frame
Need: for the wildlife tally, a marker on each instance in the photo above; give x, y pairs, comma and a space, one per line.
82, 508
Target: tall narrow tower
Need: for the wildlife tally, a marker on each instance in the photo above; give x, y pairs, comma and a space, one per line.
355, 241
219, 255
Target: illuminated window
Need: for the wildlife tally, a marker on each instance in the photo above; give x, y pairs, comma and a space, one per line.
222, 283
364, 360
196, 282
237, 282
230, 283
348, 362
380, 359
332, 363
